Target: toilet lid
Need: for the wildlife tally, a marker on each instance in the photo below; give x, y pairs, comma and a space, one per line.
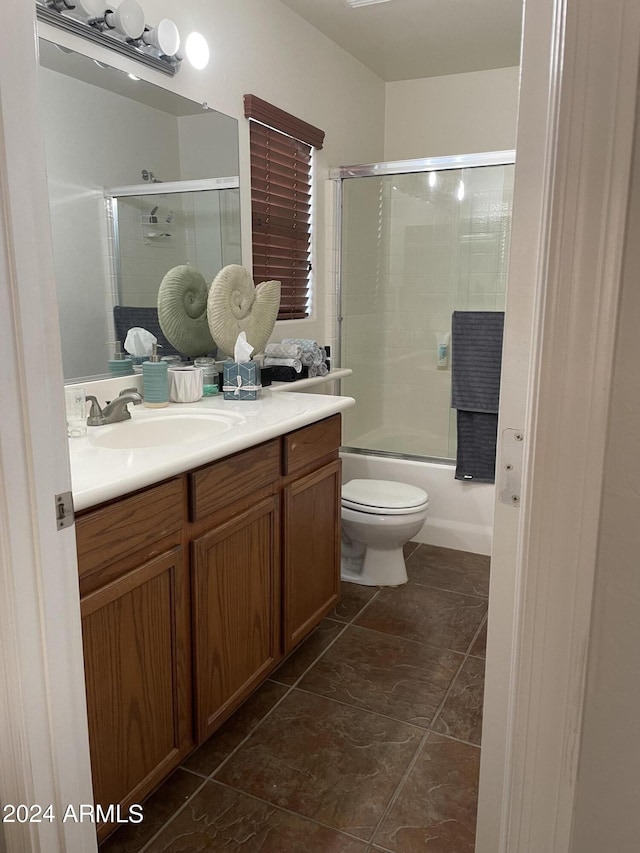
383, 496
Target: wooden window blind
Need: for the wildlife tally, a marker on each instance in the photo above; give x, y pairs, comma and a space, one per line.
281, 149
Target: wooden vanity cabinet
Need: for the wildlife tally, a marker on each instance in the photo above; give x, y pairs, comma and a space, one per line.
235, 580
311, 527
136, 634
191, 593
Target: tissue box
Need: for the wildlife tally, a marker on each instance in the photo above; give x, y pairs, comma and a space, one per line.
241, 380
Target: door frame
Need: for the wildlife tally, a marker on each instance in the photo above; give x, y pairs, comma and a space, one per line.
579, 84
44, 747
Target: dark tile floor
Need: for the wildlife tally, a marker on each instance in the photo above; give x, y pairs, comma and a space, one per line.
365, 739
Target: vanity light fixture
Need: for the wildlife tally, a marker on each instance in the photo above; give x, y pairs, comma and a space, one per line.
120, 28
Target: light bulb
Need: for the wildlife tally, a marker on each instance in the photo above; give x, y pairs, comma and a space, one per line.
164, 37
197, 51
91, 8
460, 193
128, 19
433, 180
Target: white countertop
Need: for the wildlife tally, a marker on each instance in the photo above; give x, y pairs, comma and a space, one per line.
100, 473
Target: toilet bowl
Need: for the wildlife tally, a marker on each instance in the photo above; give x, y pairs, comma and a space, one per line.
378, 518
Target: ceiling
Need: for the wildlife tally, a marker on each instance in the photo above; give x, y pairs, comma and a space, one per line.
409, 39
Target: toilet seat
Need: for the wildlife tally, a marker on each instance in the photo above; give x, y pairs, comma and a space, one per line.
383, 497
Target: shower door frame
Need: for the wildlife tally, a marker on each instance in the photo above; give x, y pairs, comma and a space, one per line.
339, 174
112, 194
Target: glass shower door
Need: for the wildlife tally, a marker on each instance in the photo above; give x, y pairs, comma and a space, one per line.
414, 248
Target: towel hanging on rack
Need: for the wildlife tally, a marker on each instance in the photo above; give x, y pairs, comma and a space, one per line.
476, 360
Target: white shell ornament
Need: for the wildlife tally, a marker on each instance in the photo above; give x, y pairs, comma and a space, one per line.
182, 311
235, 305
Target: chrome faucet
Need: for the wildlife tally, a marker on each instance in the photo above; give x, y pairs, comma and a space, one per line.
114, 411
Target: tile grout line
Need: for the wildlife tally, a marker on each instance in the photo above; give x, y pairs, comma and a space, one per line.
400, 786
367, 710
467, 655
365, 605
411, 640
448, 692
483, 598
444, 589
314, 820
173, 816
484, 622
456, 739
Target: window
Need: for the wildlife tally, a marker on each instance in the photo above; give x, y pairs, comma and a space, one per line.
281, 160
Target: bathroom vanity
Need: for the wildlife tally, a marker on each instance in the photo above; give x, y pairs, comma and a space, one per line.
194, 588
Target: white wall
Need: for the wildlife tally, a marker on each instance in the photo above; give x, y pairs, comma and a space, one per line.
456, 114
208, 146
608, 793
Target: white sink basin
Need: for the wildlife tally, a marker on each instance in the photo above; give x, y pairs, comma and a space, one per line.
163, 430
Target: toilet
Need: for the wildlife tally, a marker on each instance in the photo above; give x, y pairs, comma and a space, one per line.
378, 518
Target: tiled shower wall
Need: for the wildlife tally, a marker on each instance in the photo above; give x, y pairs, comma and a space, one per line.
201, 229
148, 250
414, 249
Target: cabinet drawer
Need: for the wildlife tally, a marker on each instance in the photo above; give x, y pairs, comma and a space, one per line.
129, 525
222, 484
307, 445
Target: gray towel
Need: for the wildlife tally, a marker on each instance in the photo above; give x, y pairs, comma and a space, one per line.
477, 436
476, 358
125, 317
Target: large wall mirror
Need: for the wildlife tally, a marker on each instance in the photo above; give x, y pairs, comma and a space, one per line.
140, 180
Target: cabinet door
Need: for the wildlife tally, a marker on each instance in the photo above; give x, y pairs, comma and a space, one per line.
311, 543
137, 666
236, 591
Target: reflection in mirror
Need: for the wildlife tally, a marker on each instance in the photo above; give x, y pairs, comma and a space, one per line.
155, 227
104, 130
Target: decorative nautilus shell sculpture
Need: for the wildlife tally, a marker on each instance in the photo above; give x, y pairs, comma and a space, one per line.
182, 311
236, 305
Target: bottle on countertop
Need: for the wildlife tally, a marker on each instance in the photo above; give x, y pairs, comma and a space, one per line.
120, 364
155, 381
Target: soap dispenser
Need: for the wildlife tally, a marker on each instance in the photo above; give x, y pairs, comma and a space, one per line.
155, 381
120, 364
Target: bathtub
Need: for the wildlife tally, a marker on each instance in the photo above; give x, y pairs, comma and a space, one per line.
460, 514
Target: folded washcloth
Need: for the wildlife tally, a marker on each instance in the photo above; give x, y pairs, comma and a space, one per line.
306, 343
284, 362
322, 369
312, 352
283, 350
